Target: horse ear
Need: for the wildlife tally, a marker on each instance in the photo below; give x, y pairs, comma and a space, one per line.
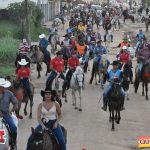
32, 130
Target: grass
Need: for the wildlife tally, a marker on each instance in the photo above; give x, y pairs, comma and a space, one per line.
6, 70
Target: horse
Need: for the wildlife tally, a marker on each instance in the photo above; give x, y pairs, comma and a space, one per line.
115, 23
21, 95
54, 41
126, 79
108, 39
145, 79
131, 17
147, 22
46, 140
38, 57
5, 141
76, 84
114, 102
99, 69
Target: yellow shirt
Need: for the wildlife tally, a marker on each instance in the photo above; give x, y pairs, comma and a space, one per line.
81, 28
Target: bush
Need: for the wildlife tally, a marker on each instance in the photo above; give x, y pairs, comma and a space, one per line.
8, 49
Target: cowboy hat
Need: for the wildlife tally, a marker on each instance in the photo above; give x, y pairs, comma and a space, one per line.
24, 41
23, 62
41, 36
59, 53
46, 91
125, 38
115, 62
4, 83
66, 35
124, 47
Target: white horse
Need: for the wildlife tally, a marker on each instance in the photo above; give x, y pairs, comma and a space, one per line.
108, 40
76, 84
55, 39
4, 133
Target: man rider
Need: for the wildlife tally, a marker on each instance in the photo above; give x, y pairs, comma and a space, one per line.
73, 62
143, 56
57, 67
115, 72
140, 35
7, 97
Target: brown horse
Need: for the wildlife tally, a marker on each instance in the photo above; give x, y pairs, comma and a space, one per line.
145, 79
21, 95
38, 57
128, 17
147, 22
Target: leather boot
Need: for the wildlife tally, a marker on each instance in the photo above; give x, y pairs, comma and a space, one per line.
13, 145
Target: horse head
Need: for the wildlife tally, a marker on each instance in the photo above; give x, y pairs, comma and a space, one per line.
79, 76
37, 142
126, 73
116, 88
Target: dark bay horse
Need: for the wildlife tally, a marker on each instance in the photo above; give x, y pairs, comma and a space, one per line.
147, 22
127, 16
21, 95
46, 140
114, 102
145, 79
38, 57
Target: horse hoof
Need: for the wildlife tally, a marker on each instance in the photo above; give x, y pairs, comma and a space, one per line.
19, 116
30, 117
112, 129
25, 113
110, 120
80, 109
73, 104
128, 98
66, 100
76, 108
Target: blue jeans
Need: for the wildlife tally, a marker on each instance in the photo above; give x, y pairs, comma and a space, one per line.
50, 79
140, 66
106, 35
26, 85
107, 89
8, 119
57, 131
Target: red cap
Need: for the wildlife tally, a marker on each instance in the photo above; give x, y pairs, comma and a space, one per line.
74, 53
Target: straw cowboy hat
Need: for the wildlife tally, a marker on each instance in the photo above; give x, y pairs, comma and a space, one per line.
23, 62
41, 36
4, 83
124, 48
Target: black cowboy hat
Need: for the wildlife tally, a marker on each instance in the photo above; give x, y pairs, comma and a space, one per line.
66, 35
115, 62
59, 53
46, 91
125, 39
99, 41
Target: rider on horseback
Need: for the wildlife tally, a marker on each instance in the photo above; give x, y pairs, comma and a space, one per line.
115, 72
49, 114
43, 44
7, 97
107, 27
57, 67
124, 58
23, 74
140, 35
73, 62
124, 43
143, 57
51, 33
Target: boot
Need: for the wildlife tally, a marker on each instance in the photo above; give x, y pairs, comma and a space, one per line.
104, 104
13, 145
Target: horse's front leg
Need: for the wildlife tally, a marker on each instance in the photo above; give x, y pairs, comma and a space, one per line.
110, 118
113, 119
73, 97
146, 87
18, 110
143, 93
39, 69
80, 97
25, 108
31, 105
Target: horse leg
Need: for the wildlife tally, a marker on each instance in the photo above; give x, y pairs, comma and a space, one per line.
146, 87
95, 79
39, 68
93, 73
31, 105
113, 119
143, 93
18, 110
73, 98
25, 108
118, 117
80, 97
110, 116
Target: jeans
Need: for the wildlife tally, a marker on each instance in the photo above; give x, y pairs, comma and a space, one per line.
26, 85
57, 132
69, 75
107, 89
8, 119
50, 79
106, 36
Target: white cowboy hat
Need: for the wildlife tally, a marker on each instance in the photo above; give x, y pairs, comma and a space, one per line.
124, 47
23, 62
41, 36
4, 83
24, 41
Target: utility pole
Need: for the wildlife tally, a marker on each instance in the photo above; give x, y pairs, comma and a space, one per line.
28, 36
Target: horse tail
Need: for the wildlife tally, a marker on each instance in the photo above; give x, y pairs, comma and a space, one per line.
93, 72
136, 84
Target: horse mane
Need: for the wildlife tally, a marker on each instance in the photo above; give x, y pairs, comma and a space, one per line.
79, 70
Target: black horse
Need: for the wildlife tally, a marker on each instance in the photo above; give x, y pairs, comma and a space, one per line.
115, 102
